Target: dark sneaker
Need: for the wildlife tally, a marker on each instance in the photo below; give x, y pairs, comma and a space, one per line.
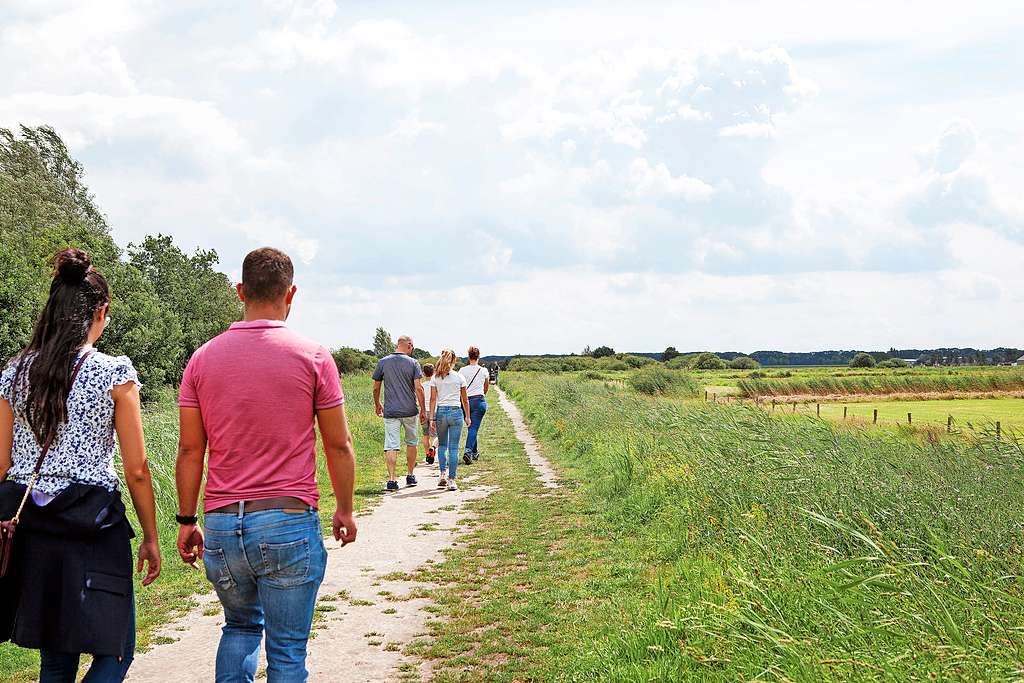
476, 455
392, 486
442, 483
430, 458
467, 458
410, 480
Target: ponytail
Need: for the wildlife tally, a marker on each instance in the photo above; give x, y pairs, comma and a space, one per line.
77, 291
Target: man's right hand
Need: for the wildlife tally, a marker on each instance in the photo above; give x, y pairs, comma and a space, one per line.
380, 410
344, 528
190, 544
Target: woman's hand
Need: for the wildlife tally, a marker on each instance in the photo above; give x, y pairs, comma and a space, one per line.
149, 553
466, 420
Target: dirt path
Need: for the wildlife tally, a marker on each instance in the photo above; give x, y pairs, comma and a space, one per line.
366, 613
357, 632
538, 462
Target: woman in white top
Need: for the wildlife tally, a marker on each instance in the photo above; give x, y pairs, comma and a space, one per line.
478, 382
449, 410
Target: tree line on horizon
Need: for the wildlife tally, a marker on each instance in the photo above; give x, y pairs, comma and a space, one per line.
707, 360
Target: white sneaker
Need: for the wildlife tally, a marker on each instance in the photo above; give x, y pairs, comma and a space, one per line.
452, 486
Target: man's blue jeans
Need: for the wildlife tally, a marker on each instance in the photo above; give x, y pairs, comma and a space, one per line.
449, 430
62, 667
266, 567
477, 409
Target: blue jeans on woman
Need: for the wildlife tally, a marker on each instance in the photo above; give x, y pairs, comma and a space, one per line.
477, 410
449, 430
62, 667
266, 568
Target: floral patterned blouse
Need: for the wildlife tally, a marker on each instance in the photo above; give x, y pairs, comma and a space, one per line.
83, 450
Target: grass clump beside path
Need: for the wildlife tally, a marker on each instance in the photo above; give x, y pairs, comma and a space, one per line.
173, 592
716, 542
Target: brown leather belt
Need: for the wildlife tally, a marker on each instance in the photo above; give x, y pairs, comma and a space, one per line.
289, 503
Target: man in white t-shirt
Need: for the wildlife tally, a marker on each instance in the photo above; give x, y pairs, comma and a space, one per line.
478, 381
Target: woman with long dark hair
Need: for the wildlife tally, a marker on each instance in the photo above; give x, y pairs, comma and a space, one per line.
68, 587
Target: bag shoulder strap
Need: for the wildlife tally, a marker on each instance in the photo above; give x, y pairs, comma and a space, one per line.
475, 376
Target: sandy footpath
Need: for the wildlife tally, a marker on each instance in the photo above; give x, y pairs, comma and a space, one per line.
362, 627
404, 531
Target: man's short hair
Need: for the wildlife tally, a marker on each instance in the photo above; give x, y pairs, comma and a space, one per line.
474, 353
267, 273
404, 339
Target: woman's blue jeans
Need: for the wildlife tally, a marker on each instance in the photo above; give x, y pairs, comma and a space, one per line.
62, 667
266, 568
449, 430
477, 409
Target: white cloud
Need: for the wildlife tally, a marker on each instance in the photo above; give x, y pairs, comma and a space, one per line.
634, 168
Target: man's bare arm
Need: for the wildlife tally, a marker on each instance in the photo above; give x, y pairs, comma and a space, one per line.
341, 466
376, 398
188, 473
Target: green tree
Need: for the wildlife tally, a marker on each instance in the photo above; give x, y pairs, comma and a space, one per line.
382, 344
603, 352
351, 360
200, 297
863, 360
420, 354
744, 363
45, 206
142, 328
668, 354
707, 361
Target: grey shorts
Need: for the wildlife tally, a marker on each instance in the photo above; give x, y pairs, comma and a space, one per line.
393, 428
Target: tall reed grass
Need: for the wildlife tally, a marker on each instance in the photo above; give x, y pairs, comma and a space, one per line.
758, 548
880, 382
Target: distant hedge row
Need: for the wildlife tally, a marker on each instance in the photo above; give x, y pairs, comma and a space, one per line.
620, 361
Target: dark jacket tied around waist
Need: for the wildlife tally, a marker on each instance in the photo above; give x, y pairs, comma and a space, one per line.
70, 585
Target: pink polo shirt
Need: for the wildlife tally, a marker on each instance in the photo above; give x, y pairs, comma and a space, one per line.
258, 386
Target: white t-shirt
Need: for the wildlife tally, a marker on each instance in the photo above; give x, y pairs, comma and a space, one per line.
449, 389
475, 387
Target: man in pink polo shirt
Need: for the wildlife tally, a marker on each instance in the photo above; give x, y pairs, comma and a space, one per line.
251, 397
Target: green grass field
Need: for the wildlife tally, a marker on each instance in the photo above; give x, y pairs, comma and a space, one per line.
968, 414
173, 592
716, 542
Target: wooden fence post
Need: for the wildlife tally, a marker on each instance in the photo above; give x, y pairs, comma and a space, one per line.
794, 406
844, 412
705, 394
999, 430
819, 410
949, 424
874, 420
773, 405
910, 419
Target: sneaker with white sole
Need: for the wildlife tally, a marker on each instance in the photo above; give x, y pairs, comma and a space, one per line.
442, 483
452, 486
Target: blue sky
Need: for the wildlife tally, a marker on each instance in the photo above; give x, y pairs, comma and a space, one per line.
536, 177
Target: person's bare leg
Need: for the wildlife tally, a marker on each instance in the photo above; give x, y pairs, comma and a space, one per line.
391, 458
410, 458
